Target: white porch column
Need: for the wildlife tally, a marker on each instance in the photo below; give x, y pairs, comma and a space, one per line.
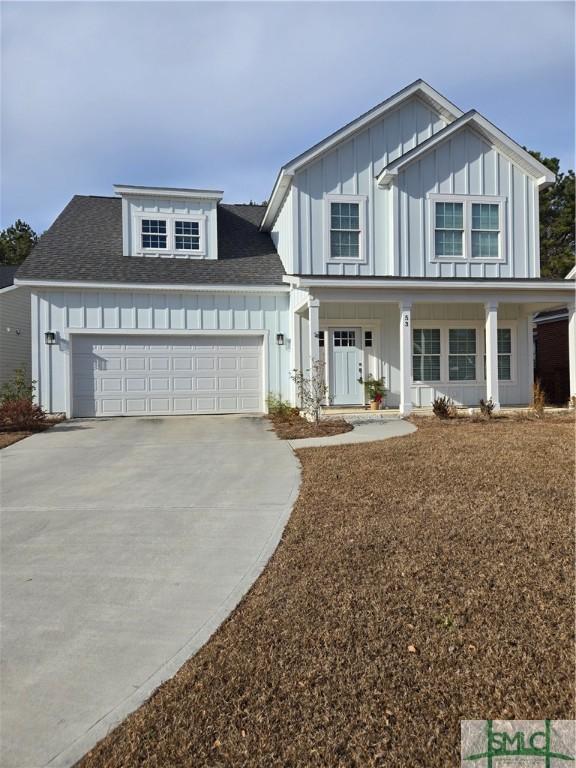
492, 354
314, 330
572, 347
405, 358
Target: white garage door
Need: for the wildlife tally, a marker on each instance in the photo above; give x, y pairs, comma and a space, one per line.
139, 375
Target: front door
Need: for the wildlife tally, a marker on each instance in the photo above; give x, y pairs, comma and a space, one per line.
346, 366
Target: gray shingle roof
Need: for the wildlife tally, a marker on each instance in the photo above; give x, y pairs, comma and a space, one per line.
85, 243
7, 275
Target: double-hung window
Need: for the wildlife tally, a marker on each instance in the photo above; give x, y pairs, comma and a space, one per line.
187, 235
345, 227
345, 230
426, 354
462, 354
449, 231
467, 228
154, 234
504, 354
485, 235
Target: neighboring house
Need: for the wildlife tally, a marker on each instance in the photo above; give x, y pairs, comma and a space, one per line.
551, 366
15, 331
405, 245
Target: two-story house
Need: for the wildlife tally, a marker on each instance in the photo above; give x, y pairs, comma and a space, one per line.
405, 245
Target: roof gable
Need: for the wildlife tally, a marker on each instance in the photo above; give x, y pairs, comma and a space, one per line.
419, 89
494, 136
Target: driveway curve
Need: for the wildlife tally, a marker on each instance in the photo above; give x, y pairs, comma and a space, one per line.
125, 543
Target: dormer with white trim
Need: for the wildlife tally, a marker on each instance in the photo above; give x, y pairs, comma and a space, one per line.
169, 223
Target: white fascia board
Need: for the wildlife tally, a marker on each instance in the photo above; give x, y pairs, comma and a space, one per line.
492, 285
191, 194
448, 111
281, 187
8, 288
571, 275
216, 288
489, 132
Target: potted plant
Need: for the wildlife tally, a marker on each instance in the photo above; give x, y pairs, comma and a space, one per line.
375, 391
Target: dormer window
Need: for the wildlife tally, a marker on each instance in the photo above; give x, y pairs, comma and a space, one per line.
172, 235
187, 235
154, 233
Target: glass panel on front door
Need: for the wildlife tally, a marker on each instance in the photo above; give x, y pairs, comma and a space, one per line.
344, 338
345, 365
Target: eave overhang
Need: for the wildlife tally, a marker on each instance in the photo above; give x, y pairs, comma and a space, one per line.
487, 131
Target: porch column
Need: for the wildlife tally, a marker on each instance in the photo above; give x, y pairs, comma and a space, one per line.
314, 330
492, 354
572, 348
405, 358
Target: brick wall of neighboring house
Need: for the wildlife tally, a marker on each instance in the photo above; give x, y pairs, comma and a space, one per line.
552, 369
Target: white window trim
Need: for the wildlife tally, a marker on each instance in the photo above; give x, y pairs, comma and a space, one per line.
479, 327
467, 201
170, 251
362, 250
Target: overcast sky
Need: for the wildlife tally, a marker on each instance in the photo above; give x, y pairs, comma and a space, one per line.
219, 95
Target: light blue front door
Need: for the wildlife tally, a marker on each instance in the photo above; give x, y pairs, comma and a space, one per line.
346, 366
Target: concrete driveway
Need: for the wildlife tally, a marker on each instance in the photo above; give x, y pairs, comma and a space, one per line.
125, 542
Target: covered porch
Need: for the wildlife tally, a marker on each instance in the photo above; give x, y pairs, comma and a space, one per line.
464, 342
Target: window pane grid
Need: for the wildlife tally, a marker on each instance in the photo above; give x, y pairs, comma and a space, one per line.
345, 216
426, 354
449, 215
153, 241
153, 226
344, 244
462, 354
448, 242
485, 216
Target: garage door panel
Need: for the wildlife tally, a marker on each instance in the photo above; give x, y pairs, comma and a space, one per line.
130, 376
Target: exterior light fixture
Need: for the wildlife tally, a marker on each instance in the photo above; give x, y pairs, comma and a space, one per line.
280, 339
50, 337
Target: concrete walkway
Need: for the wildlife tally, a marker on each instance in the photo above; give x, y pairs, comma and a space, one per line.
365, 431
125, 543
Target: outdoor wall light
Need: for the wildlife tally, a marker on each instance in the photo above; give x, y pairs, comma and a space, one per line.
50, 337
280, 339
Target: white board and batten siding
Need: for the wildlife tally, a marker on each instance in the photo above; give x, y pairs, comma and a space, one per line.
397, 228
158, 332
466, 165
350, 169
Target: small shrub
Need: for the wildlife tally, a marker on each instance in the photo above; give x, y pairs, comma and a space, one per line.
22, 414
18, 388
443, 407
375, 388
487, 408
538, 399
280, 409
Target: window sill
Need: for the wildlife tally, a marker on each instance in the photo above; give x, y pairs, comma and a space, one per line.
467, 260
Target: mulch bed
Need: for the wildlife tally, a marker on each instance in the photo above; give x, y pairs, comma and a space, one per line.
292, 426
420, 581
9, 438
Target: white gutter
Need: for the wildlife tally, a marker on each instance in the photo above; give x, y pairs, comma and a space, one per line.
205, 288
323, 282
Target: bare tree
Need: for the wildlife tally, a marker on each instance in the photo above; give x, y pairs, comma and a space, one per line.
312, 389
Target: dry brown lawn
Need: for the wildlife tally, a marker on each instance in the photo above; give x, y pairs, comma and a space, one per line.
8, 438
420, 581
